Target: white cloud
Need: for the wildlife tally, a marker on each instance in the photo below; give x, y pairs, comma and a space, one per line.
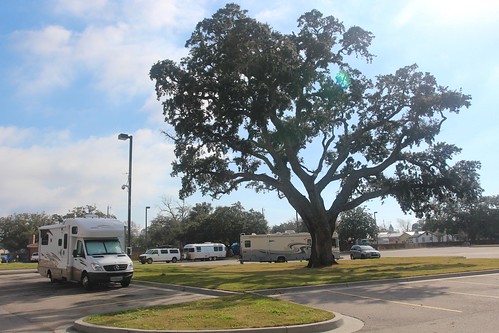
91, 171
448, 13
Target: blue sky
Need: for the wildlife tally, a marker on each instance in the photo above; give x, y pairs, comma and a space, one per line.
74, 74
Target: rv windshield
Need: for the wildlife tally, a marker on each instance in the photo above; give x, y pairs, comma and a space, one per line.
106, 246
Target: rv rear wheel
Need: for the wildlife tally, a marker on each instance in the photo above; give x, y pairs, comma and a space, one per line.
149, 260
49, 275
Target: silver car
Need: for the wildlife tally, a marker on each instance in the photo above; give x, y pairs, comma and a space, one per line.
364, 252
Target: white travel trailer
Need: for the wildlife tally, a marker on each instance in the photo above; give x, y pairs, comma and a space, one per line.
86, 250
205, 251
280, 247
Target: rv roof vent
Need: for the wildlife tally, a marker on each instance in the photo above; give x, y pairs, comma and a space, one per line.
289, 232
91, 216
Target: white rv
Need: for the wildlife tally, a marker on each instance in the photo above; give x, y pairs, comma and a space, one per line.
205, 251
85, 250
280, 247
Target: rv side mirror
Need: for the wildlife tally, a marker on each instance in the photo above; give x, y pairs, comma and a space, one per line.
75, 253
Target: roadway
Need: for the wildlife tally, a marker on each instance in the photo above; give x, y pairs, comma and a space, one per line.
29, 303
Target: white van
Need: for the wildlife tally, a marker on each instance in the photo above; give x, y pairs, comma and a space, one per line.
85, 250
160, 254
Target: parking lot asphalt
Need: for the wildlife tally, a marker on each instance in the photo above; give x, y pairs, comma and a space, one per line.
455, 303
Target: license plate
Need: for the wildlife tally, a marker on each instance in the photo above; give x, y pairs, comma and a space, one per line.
116, 278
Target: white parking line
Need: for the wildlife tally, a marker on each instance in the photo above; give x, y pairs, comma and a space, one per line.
396, 302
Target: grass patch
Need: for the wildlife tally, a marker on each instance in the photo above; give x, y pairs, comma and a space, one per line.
255, 276
230, 312
18, 265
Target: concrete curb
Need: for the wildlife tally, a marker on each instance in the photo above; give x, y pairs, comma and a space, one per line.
81, 326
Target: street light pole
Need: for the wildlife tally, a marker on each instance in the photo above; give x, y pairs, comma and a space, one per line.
377, 234
147, 207
123, 136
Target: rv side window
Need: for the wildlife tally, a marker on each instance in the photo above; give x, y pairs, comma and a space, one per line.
74, 230
65, 241
59, 242
45, 237
247, 243
309, 242
198, 248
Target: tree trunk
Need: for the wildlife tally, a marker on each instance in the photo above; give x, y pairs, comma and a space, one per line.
322, 244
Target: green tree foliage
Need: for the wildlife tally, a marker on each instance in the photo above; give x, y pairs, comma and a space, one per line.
18, 230
81, 211
203, 223
252, 106
357, 223
477, 219
226, 224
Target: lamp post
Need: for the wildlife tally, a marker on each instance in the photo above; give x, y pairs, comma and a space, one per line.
123, 136
147, 207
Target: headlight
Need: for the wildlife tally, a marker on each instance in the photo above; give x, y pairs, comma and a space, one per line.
97, 267
130, 266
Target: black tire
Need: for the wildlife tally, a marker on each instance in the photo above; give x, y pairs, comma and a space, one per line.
352, 257
85, 282
49, 275
174, 260
149, 260
126, 282
281, 259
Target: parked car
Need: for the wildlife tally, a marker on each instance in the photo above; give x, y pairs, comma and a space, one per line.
34, 257
364, 252
160, 254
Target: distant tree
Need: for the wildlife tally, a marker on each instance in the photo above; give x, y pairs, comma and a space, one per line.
355, 224
85, 210
194, 225
295, 225
163, 230
477, 219
405, 225
19, 230
288, 113
226, 224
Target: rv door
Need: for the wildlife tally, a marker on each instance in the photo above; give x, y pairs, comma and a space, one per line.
78, 258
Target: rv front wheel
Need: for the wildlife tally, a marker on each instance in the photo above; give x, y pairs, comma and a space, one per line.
126, 282
85, 282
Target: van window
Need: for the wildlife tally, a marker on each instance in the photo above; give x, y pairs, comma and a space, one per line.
174, 251
164, 251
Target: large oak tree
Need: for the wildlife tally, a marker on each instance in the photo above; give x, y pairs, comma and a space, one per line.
288, 112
